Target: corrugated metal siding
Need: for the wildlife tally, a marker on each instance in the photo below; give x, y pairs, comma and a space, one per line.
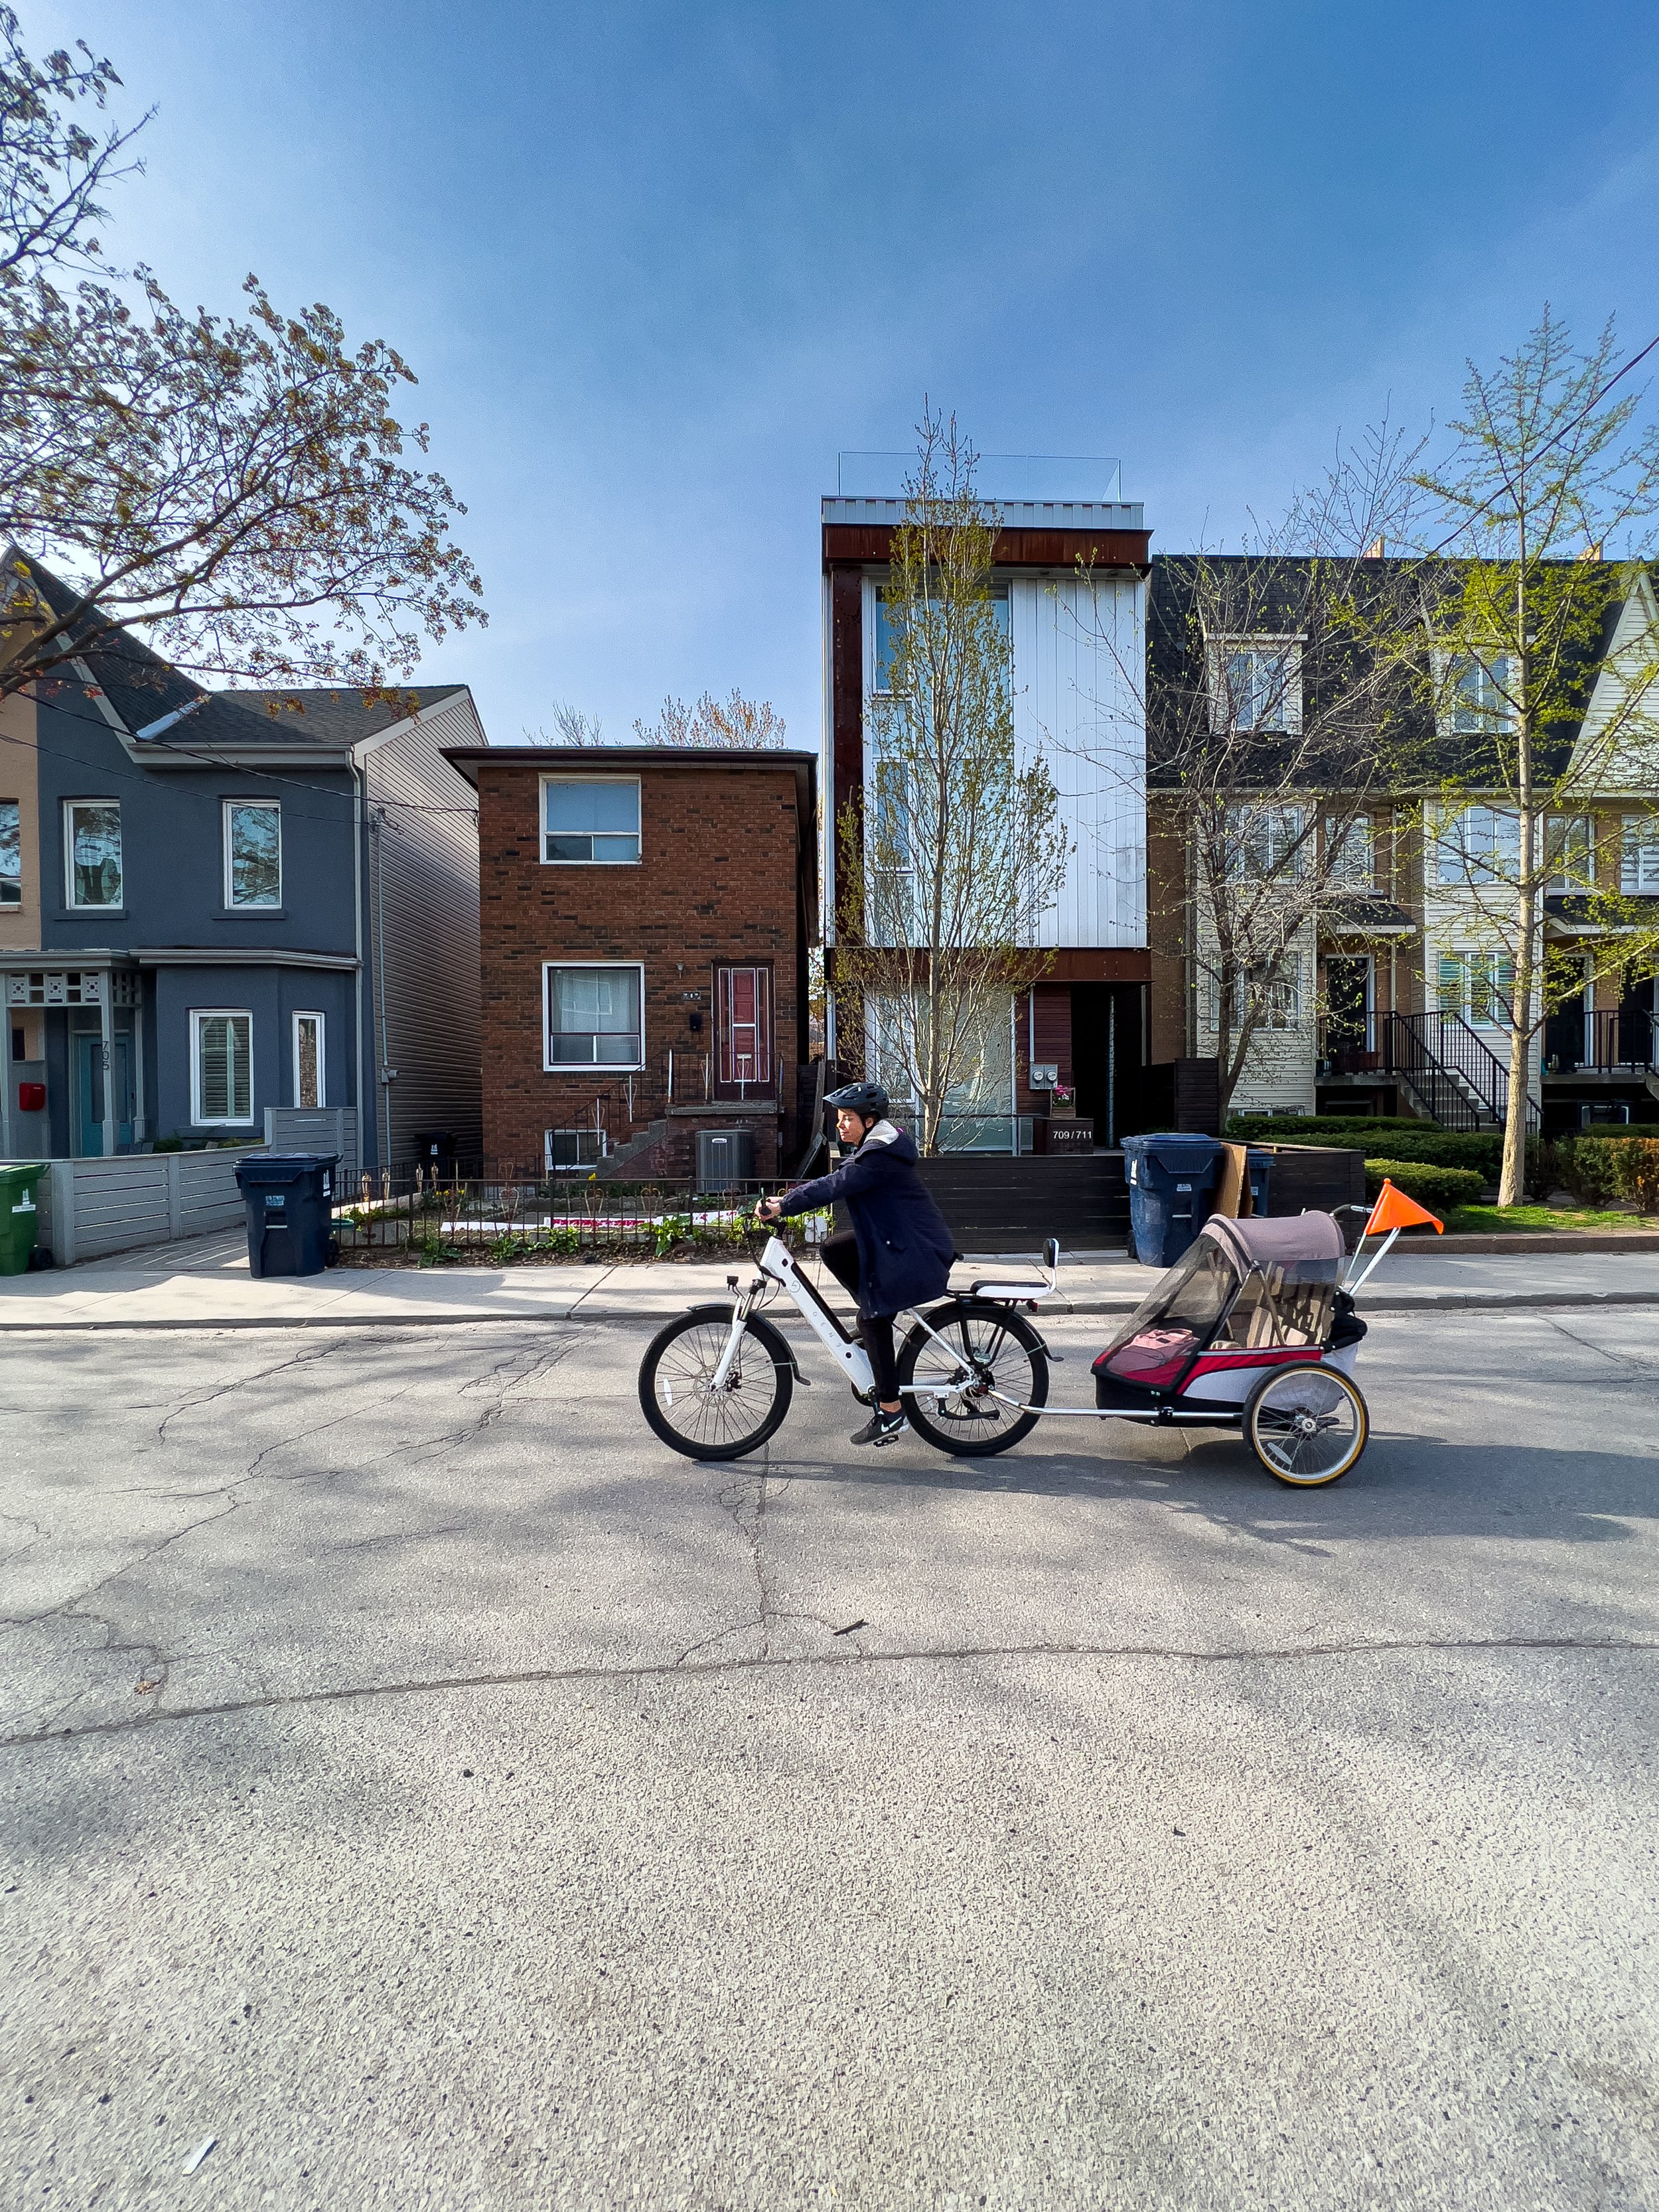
1078, 646
423, 921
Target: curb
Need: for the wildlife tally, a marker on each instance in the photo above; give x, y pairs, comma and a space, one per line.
1084, 1309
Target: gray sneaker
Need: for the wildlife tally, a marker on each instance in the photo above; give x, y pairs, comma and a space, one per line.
881, 1428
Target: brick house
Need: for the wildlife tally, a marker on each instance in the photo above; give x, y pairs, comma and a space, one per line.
646, 915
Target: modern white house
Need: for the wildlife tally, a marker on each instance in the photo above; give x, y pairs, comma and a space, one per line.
1069, 582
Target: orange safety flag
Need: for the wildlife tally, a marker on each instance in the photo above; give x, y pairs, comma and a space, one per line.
1394, 1210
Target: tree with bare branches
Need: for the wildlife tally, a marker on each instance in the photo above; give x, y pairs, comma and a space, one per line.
751, 724
1283, 694
947, 871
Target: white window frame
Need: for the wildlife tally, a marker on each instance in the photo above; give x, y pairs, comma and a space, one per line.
1560, 841
17, 880
1284, 647
551, 1067
1342, 839
1495, 987
1499, 719
1452, 869
1639, 856
198, 1118
544, 784
1285, 829
312, 1014
234, 905
74, 905
873, 588
1283, 1011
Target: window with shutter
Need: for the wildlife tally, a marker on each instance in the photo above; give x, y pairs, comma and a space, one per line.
1638, 874
223, 1075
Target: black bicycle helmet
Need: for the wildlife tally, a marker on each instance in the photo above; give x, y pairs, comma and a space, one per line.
867, 1099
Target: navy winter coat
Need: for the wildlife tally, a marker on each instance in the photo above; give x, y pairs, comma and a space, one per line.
905, 1245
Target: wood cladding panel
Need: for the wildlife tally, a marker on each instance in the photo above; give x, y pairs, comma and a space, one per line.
1014, 548
1051, 1027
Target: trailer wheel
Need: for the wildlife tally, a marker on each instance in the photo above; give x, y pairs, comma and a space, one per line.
1306, 1425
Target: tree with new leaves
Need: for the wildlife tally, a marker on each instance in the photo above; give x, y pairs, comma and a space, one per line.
1283, 709
946, 870
236, 491
52, 168
1551, 466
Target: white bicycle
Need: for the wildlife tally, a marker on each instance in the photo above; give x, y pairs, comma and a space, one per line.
717, 1383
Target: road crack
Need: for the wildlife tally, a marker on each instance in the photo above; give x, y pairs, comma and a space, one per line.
954, 1655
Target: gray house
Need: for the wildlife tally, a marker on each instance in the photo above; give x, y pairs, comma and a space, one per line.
212, 904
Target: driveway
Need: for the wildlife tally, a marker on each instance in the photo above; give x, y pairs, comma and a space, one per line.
419, 1782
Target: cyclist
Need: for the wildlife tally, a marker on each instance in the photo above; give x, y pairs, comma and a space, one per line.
900, 1249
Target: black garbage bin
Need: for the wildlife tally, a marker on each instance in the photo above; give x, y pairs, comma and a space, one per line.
436, 1149
1172, 1180
1258, 1175
290, 1200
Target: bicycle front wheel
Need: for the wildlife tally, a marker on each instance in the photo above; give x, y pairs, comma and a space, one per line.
1306, 1425
693, 1413
971, 1376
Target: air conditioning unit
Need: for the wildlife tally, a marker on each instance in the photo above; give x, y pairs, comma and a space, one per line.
725, 1158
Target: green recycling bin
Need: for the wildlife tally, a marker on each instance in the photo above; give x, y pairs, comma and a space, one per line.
18, 1219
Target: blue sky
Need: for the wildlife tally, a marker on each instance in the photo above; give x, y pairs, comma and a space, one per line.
656, 264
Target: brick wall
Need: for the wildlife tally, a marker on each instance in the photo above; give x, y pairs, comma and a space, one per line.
718, 882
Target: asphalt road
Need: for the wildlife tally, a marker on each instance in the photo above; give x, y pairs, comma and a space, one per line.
418, 1782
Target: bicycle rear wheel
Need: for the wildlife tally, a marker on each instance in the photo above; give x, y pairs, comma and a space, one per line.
685, 1407
986, 1348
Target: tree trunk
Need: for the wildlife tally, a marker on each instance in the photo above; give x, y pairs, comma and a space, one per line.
1512, 1184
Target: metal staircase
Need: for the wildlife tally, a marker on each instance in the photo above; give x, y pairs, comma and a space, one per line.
1450, 1071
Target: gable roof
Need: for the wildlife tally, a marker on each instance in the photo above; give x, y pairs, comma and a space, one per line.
135, 688
1271, 588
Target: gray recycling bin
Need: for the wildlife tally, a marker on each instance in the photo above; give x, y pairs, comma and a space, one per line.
289, 1201
1172, 1179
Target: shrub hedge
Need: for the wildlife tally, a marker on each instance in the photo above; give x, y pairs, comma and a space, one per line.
1437, 1188
1599, 1166
1481, 1150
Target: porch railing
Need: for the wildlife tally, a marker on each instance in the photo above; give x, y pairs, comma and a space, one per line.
1455, 1075
1615, 1041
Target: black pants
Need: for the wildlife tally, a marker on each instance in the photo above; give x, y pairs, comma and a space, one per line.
839, 1254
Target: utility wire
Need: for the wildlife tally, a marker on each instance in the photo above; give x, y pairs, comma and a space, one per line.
1566, 430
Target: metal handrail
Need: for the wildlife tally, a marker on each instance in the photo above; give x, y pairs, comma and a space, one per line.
1454, 1072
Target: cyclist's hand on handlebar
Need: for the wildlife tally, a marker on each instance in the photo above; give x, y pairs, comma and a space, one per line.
768, 1209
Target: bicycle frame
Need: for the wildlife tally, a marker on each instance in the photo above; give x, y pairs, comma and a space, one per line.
779, 1265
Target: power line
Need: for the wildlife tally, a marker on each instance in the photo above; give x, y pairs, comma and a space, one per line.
1566, 430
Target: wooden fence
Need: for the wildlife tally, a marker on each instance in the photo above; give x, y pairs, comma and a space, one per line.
89, 1208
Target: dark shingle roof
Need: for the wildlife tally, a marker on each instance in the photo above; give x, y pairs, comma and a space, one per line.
141, 687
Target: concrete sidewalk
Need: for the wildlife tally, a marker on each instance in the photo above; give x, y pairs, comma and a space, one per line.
206, 1284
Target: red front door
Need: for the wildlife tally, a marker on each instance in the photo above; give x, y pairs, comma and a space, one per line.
743, 998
